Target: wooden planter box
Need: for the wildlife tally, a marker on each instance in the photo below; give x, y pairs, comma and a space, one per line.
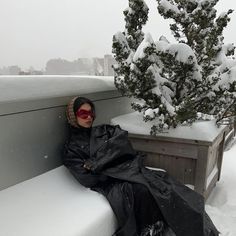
195, 162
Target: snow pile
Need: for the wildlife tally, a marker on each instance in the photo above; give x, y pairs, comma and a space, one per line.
183, 52
221, 204
54, 204
34, 87
200, 130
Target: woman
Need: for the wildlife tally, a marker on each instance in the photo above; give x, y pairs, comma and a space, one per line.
145, 202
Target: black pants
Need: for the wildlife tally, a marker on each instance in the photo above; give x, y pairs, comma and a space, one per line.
146, 210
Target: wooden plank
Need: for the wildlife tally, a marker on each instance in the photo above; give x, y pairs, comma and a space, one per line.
212, 159
189, 175
190, 163
220, 155
228, 137
211, 186
170, 139
173, 166
182, 169
201, 169
152, 160
165, 148
222, 135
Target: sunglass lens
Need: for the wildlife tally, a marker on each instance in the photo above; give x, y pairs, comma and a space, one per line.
83, 114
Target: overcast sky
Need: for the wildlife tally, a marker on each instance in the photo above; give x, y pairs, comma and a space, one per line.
34, 31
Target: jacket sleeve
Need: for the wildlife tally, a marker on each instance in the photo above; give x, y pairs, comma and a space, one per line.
74, 161
115, 150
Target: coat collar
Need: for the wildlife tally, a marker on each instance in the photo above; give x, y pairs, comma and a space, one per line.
99, 135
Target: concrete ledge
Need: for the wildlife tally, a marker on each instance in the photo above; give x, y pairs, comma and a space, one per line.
54, 204
33, 124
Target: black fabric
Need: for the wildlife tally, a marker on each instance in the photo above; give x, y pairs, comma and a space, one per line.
141, 199
146, 210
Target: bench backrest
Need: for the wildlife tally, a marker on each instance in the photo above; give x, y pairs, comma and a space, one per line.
33, 132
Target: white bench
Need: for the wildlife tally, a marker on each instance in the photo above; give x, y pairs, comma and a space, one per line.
54, 204
33, 133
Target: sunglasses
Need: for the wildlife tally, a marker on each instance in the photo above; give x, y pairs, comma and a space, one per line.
84, 114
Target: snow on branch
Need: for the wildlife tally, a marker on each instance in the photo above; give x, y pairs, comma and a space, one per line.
175, 82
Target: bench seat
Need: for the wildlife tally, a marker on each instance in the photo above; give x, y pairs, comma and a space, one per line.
54, 204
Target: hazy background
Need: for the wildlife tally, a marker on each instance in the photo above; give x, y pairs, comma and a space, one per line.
34, 31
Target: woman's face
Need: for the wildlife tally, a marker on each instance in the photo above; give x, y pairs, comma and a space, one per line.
85, 116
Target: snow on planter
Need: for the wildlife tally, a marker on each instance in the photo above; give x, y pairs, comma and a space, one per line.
192, 154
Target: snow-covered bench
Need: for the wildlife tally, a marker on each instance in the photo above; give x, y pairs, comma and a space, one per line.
33, 124
38, 196
54, 204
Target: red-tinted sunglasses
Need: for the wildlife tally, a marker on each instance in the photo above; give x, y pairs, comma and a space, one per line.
84, 114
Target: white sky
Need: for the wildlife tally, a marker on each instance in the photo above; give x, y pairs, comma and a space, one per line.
34, 31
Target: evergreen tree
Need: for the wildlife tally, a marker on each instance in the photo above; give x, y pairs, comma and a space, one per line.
196, 24
174, 83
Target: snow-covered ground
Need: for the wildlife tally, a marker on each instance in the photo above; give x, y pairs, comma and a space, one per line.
221, 204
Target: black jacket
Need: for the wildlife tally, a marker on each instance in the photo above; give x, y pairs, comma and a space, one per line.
115, 170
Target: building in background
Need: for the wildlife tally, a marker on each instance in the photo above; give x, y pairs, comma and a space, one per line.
59, 66
109, 61
81, 66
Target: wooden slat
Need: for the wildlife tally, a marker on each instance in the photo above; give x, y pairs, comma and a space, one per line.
182, 169
165, 148
170, 139
212, 159
189, 162
210, 186
201, 169
190, 168
220, 155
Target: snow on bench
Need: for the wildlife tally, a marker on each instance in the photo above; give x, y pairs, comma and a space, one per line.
54, 204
